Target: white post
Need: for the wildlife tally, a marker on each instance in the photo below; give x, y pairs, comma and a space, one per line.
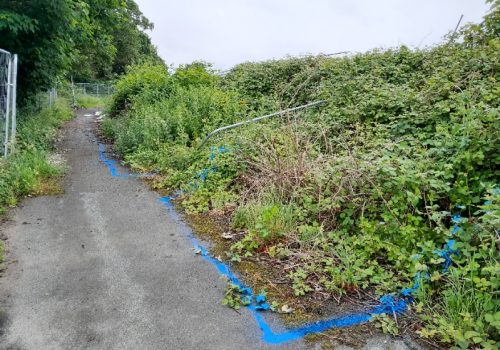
14, 102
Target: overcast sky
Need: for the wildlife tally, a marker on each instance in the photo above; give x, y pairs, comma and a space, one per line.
227, 32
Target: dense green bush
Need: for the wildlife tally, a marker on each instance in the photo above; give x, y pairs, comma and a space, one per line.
150, 79
162, 114
393, 184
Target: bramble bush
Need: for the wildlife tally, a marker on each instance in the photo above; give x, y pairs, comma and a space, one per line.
390, 187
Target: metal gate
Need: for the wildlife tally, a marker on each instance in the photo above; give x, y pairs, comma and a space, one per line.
8, 79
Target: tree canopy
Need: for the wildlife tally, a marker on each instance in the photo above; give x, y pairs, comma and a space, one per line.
88, 39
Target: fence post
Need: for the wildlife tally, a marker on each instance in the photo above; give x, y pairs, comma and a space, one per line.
73, 92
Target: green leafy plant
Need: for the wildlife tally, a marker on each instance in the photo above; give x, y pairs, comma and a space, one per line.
235, 297
386, 323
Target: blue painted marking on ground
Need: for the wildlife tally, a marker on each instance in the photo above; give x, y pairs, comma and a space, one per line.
113, 164
388, 304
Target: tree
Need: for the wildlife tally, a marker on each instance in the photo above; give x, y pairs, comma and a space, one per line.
88, 39
42, 34
117, 40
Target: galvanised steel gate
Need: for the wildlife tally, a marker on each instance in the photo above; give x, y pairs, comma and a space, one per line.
8, 80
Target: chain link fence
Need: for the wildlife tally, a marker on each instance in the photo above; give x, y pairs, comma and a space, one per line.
79, 93
52, 95
93, 89
8, 81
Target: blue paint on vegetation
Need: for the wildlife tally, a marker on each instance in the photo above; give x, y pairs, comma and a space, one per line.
446, 254
214, 151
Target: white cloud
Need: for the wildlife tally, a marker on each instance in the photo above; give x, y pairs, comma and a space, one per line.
227, 32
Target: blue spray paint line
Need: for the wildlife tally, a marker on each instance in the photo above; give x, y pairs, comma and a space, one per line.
220, 266
389, 304
113, 165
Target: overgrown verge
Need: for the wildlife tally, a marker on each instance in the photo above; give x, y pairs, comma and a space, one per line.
392, 187
89, 101
27, 170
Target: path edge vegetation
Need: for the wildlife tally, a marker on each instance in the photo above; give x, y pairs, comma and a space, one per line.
390, 188
29, 169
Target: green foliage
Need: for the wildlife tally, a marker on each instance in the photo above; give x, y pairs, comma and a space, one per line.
108, 128
195, 74
292, 80
299, 280
17, 23
468, 310
148, 78
386, 323
89, 101
362, 194
42, 34
88, 39
235, 297
25, 171
209, 189
270, 220
113, 39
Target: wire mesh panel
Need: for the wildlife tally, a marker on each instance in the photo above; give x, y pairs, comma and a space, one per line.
94, 89
8, 76
5, 61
